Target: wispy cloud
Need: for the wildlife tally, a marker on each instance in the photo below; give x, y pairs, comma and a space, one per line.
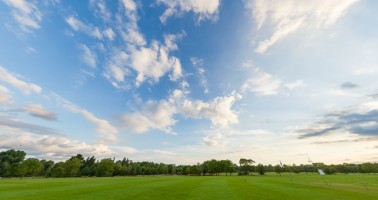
198, 64
17, 125
31, 50
78, 25
295, 85
348, 85
204, 10
361, 120
39, 111
56, 147
5, 96
287, 16
103, 127
25, 13
262, 83
101, 10
16, 81
88, 57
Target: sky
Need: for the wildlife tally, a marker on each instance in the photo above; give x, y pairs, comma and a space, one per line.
183, 81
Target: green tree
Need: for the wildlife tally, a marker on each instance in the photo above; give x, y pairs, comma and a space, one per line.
9, 161
118, 169
88, 166
32, 167
72, 167
105, 167
47, 166
246, 166
58, 170
260, 169
368, 168
278, 169
227, 166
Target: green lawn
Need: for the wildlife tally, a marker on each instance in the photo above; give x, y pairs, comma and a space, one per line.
271, 186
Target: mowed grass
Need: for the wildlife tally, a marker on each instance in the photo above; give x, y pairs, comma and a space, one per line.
271, 186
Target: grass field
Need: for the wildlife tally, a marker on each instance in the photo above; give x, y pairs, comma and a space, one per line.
271, 186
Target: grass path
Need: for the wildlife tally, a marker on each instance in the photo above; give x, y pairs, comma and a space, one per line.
179, 187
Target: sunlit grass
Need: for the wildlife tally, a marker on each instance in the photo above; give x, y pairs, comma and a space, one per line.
271, 186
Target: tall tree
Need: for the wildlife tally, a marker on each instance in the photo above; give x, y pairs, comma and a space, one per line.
9, 161
72, 167
260, 168
105, 167
32, 166
246, 166
278, 169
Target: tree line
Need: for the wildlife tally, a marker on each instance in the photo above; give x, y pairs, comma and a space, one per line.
14, 164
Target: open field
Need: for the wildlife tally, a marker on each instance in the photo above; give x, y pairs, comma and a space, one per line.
271, 186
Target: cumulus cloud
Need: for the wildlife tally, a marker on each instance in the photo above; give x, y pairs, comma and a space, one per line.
14, 80
359, 120
39, 111
136, 59
103, 127
154, 115
25, 13
88, 57
204, 10
153, 62
288, 16
149, 63
262, 83
160, 115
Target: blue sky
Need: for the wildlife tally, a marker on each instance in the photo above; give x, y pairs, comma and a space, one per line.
184, 81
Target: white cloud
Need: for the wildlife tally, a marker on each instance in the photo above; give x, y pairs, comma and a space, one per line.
31, 50
88, 57
262, 83
204, 10
39, 111
15, 81
101, 10
26, 13
153, 62
154, 115
160, 115
4, 95
109, 33
129, 5
129, 28
224, 136
103, 127
78, 25
219, 110
54, 147
198, 64
215, 139
295, 85
145, 63
288, 16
